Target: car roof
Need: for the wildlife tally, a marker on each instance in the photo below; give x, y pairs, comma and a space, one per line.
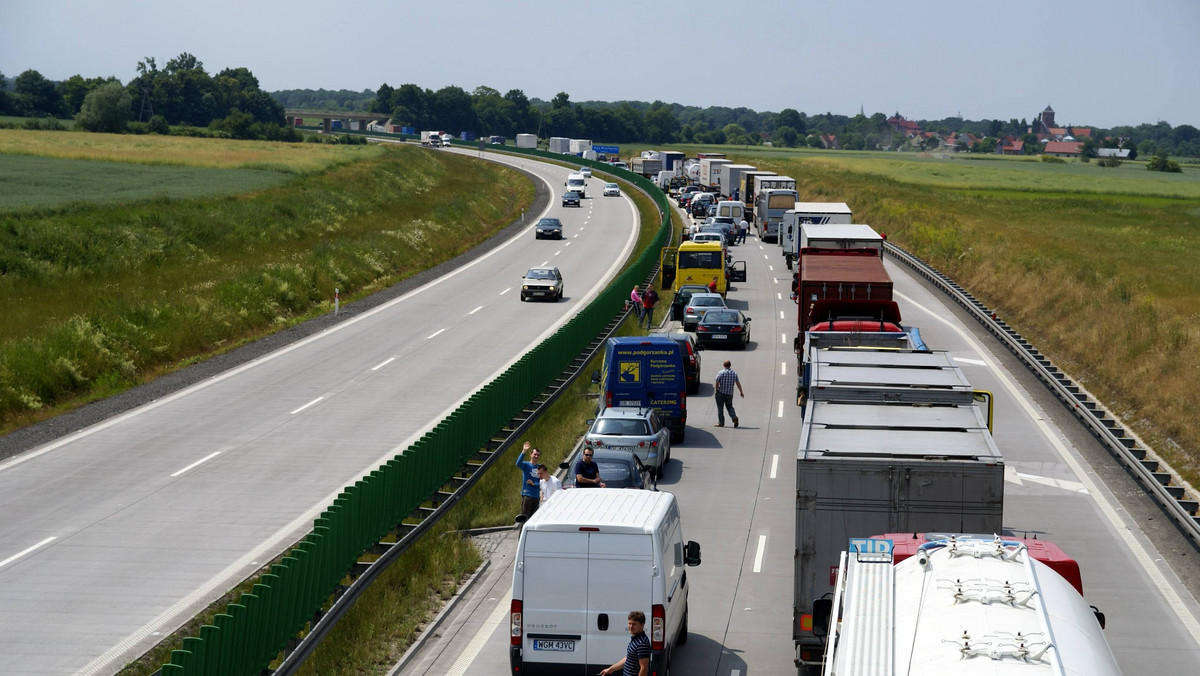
624, 412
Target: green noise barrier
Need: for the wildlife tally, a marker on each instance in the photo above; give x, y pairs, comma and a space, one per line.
252, 631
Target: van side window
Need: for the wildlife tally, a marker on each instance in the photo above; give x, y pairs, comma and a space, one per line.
678, 553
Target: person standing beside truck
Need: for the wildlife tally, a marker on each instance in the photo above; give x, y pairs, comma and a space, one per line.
637, 655
587, 472
727, 379
530, 484
649, 299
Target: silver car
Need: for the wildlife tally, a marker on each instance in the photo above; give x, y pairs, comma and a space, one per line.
697, 305
639, 431
544, 283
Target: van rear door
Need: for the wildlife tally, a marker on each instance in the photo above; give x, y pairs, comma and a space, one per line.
620, 579
556, 600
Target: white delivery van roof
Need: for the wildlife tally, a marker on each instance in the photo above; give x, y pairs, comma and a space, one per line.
608, 510
822, 208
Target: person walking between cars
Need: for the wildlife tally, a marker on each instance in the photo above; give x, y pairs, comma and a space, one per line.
549, 483
727, 379
636, 299
587, 472
531, 493
649, 299
743, 230
637, 654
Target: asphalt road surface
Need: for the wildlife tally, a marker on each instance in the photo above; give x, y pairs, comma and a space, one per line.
736, 489
115, 535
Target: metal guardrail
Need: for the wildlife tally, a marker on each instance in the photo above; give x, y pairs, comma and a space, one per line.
1151, 473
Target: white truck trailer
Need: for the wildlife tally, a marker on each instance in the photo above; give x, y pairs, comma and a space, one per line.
731, 179
579, 146
560, 144
892, 441
817, 213
527, 140
710, 171
963, 605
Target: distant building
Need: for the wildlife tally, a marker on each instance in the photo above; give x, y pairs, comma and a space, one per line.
904, 126
829, 141
1119, 153
1012, 147
1044, 122
1063, 148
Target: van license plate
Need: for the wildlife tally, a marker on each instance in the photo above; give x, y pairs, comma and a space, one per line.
554, 646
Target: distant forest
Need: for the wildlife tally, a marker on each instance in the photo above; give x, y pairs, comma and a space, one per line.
487, 111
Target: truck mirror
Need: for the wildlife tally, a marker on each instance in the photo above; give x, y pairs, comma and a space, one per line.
821, 610
564, 465
1099, 616
595, 377
691, 553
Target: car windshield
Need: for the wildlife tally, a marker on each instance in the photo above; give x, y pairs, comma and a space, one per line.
540, 274
610, 185
621, 427
718, 317
549, 223
572, 194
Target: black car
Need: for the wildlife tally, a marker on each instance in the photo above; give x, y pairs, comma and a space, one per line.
681, 298
548, 228
691, 360
571, 198
699, 205
618, 469
723, 326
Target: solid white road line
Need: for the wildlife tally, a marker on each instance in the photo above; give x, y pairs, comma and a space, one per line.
506, 291
201, 461
774, 465
435, 334
970, 361
758, 557
1145, 561
475, 310
314, 401
386, 362
23, 552
469, 653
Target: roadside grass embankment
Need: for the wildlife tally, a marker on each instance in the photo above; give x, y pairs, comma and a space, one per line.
1103, 283
99, 298
391, 613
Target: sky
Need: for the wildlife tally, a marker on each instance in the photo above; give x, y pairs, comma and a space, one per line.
1098, 63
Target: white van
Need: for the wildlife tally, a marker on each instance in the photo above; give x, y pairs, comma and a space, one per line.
732, 209
585, 560
578, 183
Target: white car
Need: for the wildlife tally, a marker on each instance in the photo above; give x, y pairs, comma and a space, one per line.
612, 190
586, 171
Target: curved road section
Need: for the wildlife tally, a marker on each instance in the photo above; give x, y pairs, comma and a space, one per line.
119, 533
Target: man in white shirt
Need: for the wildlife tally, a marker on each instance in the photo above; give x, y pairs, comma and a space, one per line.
549, 483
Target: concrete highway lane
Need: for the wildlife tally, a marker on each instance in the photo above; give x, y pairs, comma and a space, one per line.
736, 489
115, 535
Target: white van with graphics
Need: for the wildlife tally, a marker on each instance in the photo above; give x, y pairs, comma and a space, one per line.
584, 561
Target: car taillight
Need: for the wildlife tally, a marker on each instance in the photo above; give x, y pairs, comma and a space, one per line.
735, 329
608, 399
690, 310
658, 623
702, 327
587, 442
514, 623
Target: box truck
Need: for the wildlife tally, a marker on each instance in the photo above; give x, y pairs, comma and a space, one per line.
731, 180
579, 145
527, 140
586, 559
646, 166
560, 144
816, 213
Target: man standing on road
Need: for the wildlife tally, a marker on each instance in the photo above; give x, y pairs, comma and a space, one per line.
743, 230
727, 379
649, 299
587, 472
549, 483
530, 487
637, 655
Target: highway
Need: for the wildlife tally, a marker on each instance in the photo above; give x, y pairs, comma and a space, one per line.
116, 535
736, 489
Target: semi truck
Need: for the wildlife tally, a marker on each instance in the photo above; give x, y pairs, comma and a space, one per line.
710, 171
560, 144
527, 140
646, 166
837, 275
804, 213
731, 179
900, 443
961, 604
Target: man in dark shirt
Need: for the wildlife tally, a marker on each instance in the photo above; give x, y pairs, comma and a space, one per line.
587, 473
637, 656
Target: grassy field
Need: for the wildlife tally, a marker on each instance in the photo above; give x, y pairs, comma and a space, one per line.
97, 298
1097, 269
